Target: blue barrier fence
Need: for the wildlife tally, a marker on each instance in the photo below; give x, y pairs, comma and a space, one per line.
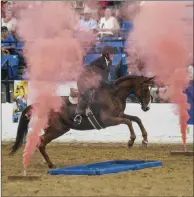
190, 99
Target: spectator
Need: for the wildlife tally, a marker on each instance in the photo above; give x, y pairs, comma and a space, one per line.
101, 11
191, 72
87, 20
9, 21
9, 5
8, 44
108, 25
2, 9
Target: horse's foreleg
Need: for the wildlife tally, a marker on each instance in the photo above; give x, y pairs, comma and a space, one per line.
46, 138
139, 122
110, 121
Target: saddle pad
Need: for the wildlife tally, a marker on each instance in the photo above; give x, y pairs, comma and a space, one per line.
73, 101
105, 167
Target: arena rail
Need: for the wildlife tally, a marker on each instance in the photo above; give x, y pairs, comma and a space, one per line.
161, 123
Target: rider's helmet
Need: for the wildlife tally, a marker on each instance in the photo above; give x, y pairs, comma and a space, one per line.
108, 52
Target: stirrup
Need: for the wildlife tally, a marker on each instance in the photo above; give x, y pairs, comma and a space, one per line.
78, 119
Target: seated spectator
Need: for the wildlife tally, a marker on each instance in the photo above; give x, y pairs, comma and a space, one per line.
9, 21
87, 20
8, 43
108, 25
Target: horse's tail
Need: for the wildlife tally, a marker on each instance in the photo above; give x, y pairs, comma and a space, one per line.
22, 130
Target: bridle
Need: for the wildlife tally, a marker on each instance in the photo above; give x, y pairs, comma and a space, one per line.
141, 100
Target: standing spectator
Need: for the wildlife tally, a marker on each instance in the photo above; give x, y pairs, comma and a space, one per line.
9, 5
191, 72
87, 20
2, 9
101, 11
8, 44
108, 25
9, 21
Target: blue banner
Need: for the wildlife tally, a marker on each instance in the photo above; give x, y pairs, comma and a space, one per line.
20, 99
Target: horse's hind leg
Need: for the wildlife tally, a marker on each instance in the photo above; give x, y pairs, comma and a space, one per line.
50, 134
143, 131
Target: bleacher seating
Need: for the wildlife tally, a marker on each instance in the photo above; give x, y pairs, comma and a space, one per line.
117, 59
126, 25
118, 45
113, 73
117, 42
90, 57
9, 63
92, 54
124, 65
19, 45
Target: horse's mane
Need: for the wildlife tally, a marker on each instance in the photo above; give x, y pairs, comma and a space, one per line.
124, 78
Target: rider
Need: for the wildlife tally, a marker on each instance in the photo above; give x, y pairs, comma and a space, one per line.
100, 66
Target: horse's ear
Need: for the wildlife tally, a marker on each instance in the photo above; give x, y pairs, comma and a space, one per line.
149, 80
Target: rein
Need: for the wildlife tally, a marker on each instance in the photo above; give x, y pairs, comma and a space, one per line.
140, 87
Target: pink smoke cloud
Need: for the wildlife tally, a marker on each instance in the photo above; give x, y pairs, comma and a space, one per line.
54, 48
92, 4
160, 37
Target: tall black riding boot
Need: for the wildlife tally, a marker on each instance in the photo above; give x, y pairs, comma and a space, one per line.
81, 106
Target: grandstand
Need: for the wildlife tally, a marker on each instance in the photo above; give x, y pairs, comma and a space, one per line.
13, 64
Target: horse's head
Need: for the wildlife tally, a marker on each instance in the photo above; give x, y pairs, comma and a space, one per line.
138, 85
142, 92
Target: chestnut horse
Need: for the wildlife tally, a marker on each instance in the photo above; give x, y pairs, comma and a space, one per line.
108, 108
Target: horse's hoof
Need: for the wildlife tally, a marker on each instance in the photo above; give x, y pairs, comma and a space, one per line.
130, 144
144, 143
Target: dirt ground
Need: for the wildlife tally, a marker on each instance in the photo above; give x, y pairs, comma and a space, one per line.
174, 178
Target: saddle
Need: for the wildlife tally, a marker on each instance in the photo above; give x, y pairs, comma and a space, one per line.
74, 99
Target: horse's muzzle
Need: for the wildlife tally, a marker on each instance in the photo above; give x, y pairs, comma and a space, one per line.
145, 108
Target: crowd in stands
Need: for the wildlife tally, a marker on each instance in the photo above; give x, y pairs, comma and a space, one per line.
107, 21
106, 26
12, 60
8, 27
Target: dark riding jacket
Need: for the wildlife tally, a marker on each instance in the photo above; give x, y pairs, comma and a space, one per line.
100, 66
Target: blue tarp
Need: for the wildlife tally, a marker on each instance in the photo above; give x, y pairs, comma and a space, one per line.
105, 167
